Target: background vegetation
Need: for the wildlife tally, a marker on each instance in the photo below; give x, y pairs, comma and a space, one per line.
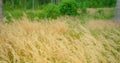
37, 4
42, 9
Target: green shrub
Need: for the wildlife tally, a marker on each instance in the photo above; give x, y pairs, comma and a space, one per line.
51, 11
83, 7
68, 7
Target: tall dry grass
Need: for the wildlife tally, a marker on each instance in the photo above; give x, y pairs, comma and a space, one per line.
55, 42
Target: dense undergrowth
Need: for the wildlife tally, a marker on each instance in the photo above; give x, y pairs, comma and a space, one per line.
28, 4
53, 11
59, 41
90, 13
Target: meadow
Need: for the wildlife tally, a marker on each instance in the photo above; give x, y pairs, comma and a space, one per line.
73, 31
61, 40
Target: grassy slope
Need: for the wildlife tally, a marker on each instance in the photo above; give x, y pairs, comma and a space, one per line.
59, 41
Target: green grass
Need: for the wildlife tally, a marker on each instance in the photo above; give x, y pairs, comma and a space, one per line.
84, 17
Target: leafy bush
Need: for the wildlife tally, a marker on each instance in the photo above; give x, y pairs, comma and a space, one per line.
68, 7
51, 11
83, 7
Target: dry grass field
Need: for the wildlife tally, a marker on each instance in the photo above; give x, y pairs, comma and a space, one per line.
59, 41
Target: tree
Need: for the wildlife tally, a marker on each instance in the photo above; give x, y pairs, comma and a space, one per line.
52, 1
55, 1
33, 4
1, 10
12, 4
117, 11
25, 4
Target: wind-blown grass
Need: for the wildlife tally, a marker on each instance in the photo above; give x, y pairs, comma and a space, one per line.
57, 41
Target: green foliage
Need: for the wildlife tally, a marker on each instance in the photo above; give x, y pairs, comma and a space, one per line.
102, 14
68, 7
12, 14
83, 7
7, 6
27, 4
51, 11
8, 17
16, 14
96, 3
31, 15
